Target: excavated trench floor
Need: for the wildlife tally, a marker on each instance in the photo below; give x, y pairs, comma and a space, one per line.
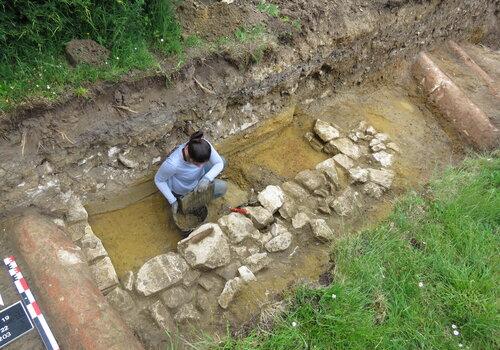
271, 153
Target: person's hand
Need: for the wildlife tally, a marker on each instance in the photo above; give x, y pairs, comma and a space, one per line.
202, 184
175, 207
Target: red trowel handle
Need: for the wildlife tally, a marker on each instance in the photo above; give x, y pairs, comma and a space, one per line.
239, 210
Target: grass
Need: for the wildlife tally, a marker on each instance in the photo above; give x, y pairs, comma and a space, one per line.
269, 8
433, 265
33, 36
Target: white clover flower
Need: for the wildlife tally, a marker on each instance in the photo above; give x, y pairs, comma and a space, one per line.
117, 57
294, 324
334, 296
37, 85
460, 345
48, 87
456, 333
454, 326
421, 284
135, 48
161, 40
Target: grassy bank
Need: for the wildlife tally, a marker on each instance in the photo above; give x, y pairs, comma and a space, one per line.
427, 278
33, 36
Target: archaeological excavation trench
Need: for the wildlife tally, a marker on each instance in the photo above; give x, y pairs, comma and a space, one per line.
316, 149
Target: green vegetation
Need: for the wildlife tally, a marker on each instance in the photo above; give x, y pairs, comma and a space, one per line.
33, 35
428, 271
271, 9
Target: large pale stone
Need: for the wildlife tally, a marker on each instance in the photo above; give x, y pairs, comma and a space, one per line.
311, 179
385, 159
120, 300
346, 202
257, 262
104, 274
347, 147
76, 211
321, 230
162, 317
238, 227
382, 177
330, 170
343, 161
300, 220
279, 243
325, 131
381, 136
206, 247
230, 289
373, 190
190, 277
393, 146
92, 247
160, 272
129, 163
315, 143
379, 147
246, 274
260, 216
176, 296
271, 198
277, 229
294, 190
288, 209
358, 175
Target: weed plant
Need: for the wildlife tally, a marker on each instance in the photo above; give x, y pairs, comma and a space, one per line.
427, 278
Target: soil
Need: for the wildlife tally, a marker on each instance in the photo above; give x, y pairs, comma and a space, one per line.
347, 63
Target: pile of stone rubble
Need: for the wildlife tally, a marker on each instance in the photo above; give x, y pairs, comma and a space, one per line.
220, 259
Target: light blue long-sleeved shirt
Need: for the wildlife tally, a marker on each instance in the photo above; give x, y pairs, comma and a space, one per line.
177, 175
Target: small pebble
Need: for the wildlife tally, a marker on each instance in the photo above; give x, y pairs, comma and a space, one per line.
455, 332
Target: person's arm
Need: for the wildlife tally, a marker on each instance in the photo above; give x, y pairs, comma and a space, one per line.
166, 171
217, 165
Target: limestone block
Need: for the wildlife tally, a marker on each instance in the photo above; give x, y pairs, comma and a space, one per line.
373, 190
370, 130
321, 230
232, 287
261, 217
343, 161
206, 247
330, 170
358, 175
381, 136
279, 243
315, 143
237, 226
160, 272
92, 247
120, 300
393, 146
385, 159
325, 131
128, 162
257, 262
379, 147
162, 316
382, 177
271, 198
104, 274
176, 296
347, 147
190, 277
246, 274
206, 281
241, 252
311, 179
300, 220
346, 202
294, 190
277, 229
187, 313
288, 209
76, 211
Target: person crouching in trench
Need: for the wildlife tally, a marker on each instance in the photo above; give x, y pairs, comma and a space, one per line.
192, 166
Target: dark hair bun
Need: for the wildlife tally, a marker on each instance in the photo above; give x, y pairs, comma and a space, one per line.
199, 149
